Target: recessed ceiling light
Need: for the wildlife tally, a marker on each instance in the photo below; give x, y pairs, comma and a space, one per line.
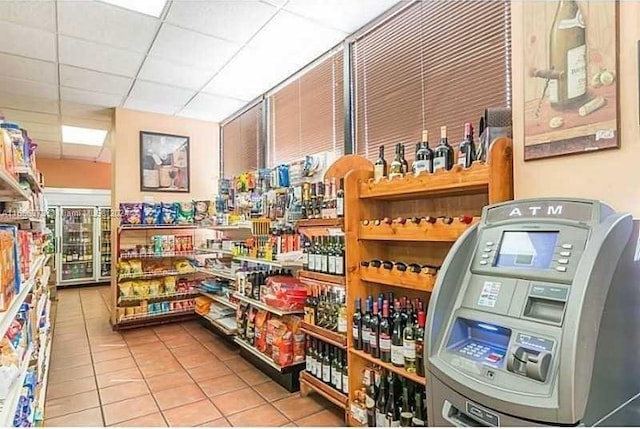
79, 135
148, 7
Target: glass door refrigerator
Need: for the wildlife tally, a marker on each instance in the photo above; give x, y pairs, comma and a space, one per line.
77, 245
103, 256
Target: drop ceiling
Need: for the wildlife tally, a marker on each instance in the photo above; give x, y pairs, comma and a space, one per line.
72, 62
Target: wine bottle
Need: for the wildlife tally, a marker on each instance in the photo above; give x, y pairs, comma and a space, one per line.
406, 415
308, 355
385, 334
381, 404
326, 365
309, 309
338, 371
467, 148
306, 247
312, 254
418, 415
370, 402
345, 376
395, 169
443, 154
331, 256
340, 199
414, 164
324, 257
380, 165
334, 368
409, 345
420, 343
405, 164
340, 257
424, 156
568, 56
319, 360
366, 319
397, 352
393, 411
374, 332
342, 316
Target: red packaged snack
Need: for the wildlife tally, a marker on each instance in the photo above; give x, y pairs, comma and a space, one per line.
285, 293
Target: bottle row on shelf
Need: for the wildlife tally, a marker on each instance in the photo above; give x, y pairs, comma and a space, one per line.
391, 330
326, 307
252, 283
160, 245
323, 200
325, 254
401, 266
328, 364
417, 220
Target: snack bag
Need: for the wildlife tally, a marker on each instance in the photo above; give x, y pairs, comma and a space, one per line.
185, 213
169, 213
261, 330
131, 213
152, 213
169, 284
135, 266
201, 211
126, 290
154, 288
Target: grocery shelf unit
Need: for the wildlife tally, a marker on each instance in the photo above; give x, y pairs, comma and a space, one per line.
323, 227
444, 193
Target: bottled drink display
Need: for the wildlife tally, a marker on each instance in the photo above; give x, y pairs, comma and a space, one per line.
327, 363
417, 220
323, 200
467, 148
326, 308
443, 153
380, 165
423, 161
401, 266
388, 400
325, 254
405, 164
396, 167
340, 200
249, 282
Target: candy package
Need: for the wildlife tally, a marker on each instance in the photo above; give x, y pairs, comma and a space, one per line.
131, 213
152, 213
185, 213
169, 213
201, 211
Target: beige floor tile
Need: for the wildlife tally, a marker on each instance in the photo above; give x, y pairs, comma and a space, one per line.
168, 380
217, 423
272, 391
72, 404
182, 395
264, 415
324, 418
155, 420
87, 418
114, 365
221, 385
192, 414
254, 376
118, 377
120, 392
68, 374
296, 407
129, 409
111, 354
71, 387
234, 402
207, 372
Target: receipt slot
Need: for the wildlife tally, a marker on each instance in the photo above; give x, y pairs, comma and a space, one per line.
533, 319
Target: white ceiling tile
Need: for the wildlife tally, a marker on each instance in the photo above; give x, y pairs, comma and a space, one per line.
231, 20
345, 15
192, 49
29, 42
93, 81
86, 111
211, 107
99, 57
104, 23
89, 97
161, 94
28, 88
32, 104
42, 131
157, 70
20, 116
49, 153
29, 69
47, 144
105, 156
80, 150
38, 14
146, 106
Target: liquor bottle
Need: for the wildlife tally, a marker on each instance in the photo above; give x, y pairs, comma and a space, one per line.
309, 308
406, 415
380, 165
424, 156
374, 332
340, 257
331, 257
340, 200
306, 248
312, 254
397, 352
418, 415
467, 148
420, 343
405, 164
395, 169
337, 371
409, 345
342, 315
465, 219
568, 55
381, 403
319, 360
308, 355
443, 154
356, 324
393, 412
319, 200
385, 334
326, 365
447, 220
345, 376
366, 327
371, 400
324, 258
334, 368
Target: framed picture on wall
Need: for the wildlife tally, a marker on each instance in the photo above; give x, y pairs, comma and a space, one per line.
570, 83
164, 162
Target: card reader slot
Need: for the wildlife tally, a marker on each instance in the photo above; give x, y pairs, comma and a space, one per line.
458, 418
546, 310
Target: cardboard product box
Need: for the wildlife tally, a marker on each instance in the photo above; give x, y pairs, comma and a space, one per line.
9, 266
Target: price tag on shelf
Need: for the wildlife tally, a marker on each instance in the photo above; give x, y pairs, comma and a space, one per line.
335, 231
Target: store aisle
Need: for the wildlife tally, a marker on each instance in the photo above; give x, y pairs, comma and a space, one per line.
172, 375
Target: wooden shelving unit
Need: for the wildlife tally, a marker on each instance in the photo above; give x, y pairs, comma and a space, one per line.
446, 193
309, 383
325, 335
322, 277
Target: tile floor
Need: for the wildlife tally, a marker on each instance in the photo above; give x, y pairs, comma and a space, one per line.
170, 375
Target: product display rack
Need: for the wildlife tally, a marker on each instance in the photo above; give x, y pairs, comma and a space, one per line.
445, 193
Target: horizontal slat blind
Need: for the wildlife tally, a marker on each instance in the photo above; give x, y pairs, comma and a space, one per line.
307, 113
436, 63
242, 141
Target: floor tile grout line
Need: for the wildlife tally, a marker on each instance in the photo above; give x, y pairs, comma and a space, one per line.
104, 422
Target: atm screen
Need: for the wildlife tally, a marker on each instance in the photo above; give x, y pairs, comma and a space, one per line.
528, 250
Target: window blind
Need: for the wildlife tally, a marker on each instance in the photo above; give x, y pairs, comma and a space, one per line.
243, 142
435, 63
306, 115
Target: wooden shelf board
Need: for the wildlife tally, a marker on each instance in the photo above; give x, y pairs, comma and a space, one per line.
337, 398
351, 422
325, 335
407, 280
411, 232
152, 319
310, 223
322, 277
389, 366
442, 183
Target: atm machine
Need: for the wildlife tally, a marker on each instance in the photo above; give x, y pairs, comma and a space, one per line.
535, 319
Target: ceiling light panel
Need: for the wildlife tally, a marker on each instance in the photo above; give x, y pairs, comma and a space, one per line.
231, 20
28, 88
192, 49
90, 80
147, 7
345, 15
148, 106
95, 56
83, 136
211, 107
103, 23
37, 14
75, 95
170, 73
28, 42
28, 69
157, 93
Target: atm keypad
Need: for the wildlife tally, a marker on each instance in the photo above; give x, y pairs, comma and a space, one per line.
565, 254
475, 350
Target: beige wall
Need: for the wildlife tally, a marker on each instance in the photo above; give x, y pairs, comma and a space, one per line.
203, 147
74, 173
611, 175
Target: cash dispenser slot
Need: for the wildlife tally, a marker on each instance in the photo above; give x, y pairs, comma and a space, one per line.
529, 362
474, 418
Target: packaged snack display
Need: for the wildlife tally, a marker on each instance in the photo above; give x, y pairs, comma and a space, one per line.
262, 317
18, 142
185, 213
131, 213
183, 243
169, 213
9, 266
202, 211
285, 293
152, 213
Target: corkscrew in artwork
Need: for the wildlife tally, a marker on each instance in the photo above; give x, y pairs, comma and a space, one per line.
164, 163
571, 88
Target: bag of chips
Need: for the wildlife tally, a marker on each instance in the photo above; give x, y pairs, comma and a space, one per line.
130, 213
185, 213
169, 213
152, 213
